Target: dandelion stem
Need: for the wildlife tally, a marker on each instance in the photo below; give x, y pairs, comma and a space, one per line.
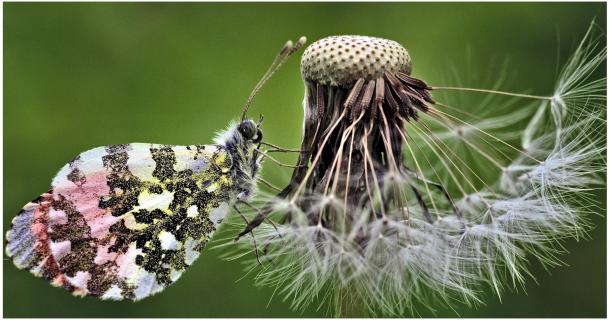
521, 95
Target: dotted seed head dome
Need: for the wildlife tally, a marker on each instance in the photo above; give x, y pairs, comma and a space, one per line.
341, 60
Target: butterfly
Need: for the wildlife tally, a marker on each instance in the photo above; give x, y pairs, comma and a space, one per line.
125, 221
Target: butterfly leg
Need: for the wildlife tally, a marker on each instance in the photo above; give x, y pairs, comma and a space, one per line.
269, 184
440, 187
266, 250
268, 242
264, 154
251, 233
276, 148
259, 213
422, 204
297, 177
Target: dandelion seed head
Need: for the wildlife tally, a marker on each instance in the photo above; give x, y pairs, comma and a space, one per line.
403, 203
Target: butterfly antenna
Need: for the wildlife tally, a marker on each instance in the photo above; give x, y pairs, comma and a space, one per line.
287, 50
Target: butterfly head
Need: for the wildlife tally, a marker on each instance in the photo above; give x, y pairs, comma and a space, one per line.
250, 131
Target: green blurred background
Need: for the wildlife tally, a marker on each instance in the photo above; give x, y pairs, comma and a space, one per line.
78, 76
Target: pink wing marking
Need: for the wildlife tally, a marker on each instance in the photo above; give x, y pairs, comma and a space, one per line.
85, 197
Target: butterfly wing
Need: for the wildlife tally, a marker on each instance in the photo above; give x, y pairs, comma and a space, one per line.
124, 222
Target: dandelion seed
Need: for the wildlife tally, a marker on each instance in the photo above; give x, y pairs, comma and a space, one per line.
398, 201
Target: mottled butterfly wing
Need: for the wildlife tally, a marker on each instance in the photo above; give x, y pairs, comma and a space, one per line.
123, 222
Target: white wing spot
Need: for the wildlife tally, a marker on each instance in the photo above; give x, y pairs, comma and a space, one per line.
57, 217
103, 255
91, 160
146, 285
80, 280
127, 265
190, 254
168, 241
192, 211
175, 275
184, 158
131, 223
114, 293
140, 163
151, 201
60, 249
218, 214
212, 187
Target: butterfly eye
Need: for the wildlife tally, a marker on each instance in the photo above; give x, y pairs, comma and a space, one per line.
259, 136
248, 129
